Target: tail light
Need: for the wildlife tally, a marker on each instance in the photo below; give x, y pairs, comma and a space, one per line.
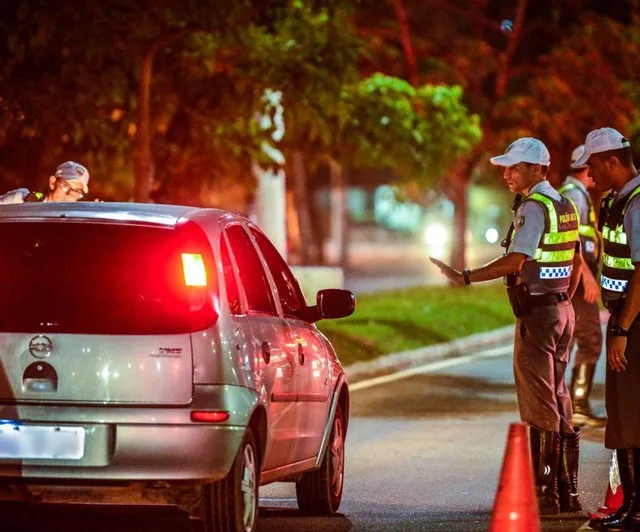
195, 273
198, 271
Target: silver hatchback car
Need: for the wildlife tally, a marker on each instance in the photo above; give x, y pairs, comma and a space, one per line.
163, 354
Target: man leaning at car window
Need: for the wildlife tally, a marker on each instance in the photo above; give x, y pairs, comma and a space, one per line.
69, 183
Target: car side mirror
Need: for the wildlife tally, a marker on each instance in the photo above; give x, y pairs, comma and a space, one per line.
334, 303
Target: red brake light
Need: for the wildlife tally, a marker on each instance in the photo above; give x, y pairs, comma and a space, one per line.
208, 416
195, 273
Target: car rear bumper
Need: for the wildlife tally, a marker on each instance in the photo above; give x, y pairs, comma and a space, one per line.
140, 453
137, 444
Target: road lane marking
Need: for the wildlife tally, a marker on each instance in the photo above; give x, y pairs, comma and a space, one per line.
431, 367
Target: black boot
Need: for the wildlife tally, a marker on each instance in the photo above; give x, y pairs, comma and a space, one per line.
545, 453
580, 389
632, 520
626, 466
568, 472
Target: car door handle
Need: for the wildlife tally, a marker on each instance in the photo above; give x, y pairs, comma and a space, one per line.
301, 354
266, 352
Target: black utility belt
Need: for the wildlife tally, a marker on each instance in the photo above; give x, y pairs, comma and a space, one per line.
544, 300
522, 302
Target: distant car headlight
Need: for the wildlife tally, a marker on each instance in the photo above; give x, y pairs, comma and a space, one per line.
492, 235
436, 235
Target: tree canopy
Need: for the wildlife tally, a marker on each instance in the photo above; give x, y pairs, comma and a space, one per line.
77, 79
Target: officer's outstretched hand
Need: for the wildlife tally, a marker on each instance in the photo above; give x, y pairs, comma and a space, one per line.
453, 275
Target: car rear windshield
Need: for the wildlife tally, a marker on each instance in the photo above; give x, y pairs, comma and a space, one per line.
91, 278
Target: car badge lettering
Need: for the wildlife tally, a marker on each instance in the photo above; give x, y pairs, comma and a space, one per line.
40, 346
168, 352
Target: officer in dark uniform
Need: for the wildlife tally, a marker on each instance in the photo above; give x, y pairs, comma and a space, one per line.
70, 182
610, 161
542, 270
588, 331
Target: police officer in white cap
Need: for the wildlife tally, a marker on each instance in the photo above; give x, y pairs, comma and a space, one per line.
610, 160
541, 267
70, 182
588, 331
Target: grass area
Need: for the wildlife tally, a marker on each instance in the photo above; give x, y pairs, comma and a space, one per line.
407, 319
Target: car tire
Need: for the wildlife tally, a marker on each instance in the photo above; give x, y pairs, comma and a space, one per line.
319, 492
231, 504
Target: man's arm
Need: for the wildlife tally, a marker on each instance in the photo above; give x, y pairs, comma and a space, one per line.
576, 272
617, 345
505, 265
589, 283
632, 301
500, 267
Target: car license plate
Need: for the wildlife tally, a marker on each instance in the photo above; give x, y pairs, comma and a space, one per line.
33, 442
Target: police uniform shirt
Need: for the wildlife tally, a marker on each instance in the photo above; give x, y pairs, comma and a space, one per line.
632, 218
529, 227
14, 196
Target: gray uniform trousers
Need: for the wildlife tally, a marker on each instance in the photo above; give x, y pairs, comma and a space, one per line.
622, 395
588, 330
541, 355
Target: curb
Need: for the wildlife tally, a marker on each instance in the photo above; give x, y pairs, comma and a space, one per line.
415, 357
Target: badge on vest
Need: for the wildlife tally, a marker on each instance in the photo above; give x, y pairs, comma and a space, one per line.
519, 222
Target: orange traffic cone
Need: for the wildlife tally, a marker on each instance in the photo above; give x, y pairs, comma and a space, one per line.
516, 507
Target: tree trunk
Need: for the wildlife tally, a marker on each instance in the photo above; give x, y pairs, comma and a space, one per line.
459, 195
302, 204
514, 39
344, 253
318, 231
143, 158
338, 205
402, 17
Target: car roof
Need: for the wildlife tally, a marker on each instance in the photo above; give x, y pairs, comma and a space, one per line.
146, 213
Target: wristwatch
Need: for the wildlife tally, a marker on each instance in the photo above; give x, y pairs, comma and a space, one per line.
465, 275
616, 330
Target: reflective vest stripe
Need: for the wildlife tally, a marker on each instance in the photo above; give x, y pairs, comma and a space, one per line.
615, 285
587, 230
631, 196
553, 217
617, 262
564, 255
617, 237
561, 238
555, 273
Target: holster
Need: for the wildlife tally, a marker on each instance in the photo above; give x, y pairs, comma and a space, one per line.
520, 300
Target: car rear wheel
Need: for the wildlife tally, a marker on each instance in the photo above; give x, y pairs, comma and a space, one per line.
319, 492
231, 504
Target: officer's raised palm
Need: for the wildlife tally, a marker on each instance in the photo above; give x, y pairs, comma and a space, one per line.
452, 274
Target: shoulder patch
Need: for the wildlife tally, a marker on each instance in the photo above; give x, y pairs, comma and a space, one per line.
519, 222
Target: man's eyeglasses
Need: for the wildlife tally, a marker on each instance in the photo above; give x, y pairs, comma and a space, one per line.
71, 191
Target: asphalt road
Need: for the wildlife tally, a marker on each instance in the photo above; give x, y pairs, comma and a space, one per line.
423, 454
